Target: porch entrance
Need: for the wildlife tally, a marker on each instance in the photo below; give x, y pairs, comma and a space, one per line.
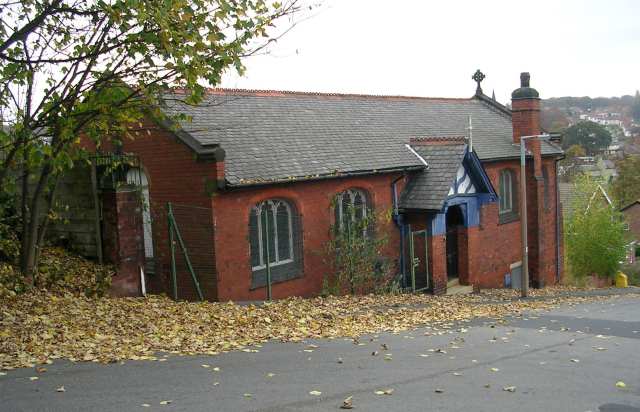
455, 219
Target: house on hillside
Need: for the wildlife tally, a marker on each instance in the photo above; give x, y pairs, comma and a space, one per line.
569, 194
631, 214
258, 179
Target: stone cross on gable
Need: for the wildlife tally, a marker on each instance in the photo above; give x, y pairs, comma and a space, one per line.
478, 77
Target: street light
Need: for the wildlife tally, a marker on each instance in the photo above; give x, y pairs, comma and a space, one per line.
524, 289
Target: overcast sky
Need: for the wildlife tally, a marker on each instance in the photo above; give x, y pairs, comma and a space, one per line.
431, 48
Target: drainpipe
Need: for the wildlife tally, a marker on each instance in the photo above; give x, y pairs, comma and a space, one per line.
397, 219
558, 256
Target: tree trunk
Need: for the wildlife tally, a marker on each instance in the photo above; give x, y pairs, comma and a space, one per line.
45, 223
24, 202
29, 252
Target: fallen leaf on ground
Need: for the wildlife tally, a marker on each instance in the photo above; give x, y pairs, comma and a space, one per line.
347, 403
61, 389
43, 325
247, 395
509, 388
621, 384
494, 369
315, 393
145, 405
438, 390
388, 391
33, 378
575, 360
165, 402
270, 375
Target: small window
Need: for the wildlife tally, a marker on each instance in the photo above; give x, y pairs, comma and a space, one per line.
626, 227
351, 206
507, 196
274, 241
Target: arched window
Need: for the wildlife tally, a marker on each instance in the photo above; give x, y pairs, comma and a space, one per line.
275, 241
351, 206
508, 193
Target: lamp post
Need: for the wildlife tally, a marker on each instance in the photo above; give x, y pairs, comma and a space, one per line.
524, 288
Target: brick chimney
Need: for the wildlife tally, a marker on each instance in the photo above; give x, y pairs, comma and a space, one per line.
525, 109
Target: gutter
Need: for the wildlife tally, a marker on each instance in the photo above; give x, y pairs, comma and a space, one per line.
230, 186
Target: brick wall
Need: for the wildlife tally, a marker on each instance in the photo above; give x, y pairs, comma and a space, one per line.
124, 244
174, 175
494, 246
632, 217
313, 202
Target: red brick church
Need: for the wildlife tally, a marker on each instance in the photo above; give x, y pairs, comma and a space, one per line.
446, 169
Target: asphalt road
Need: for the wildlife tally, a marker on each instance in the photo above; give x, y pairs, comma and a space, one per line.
569, 359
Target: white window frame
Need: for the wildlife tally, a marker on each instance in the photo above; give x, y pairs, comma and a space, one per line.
272, 206
352, 193
137, 177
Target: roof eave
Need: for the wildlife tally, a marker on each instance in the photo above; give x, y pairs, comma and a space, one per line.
299, 179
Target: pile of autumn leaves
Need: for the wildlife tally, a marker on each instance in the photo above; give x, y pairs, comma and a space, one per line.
43, 325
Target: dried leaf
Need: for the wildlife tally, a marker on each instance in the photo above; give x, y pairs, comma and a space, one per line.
509, 388
61, 389
315, 393
347, 403
494, 369
33, 378
621, 385
165, 402
438, 390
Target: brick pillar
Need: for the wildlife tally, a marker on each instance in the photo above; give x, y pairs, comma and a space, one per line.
463, 256
438, 263
525, 115
123, 239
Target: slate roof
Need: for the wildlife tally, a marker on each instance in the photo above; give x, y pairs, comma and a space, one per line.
428, 189
278, 136
568, 196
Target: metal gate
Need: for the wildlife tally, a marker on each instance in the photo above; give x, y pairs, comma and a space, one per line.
418, 260
191, 252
